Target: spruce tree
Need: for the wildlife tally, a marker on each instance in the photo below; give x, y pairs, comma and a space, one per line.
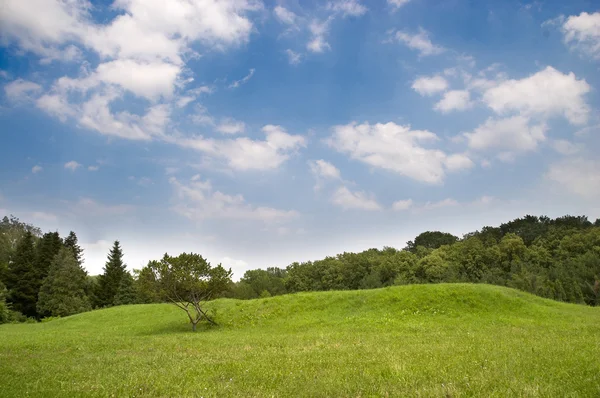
111, 278
63, 291
71, 243
126, 293
46, 249
23, 280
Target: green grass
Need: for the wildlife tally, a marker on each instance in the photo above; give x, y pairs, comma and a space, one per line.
420, 340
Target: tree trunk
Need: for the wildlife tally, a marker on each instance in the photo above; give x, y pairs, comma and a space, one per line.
194, 326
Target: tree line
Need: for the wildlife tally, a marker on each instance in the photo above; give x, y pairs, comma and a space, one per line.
41, 275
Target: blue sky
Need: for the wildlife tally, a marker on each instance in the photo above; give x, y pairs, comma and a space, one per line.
261, 133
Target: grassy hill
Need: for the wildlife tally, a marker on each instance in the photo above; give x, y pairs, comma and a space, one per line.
418, 340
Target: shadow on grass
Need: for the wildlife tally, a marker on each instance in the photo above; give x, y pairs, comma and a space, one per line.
179, 328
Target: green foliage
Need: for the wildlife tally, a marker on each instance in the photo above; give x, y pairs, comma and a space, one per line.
126, 293
23, 279
4, 309
146, 286
431, 240
109, 281
188, 280
442, 340
63, 291
72, 244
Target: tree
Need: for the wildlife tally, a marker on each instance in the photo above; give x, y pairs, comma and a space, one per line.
188, 281
109, 281
63, 291
146, 286
71, 243
126, 293
22, 280
4, 310
431, 240
46, 249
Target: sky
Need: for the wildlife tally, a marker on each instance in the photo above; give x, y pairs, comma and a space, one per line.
261, 133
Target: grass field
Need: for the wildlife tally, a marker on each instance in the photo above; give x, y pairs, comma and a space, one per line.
445, 340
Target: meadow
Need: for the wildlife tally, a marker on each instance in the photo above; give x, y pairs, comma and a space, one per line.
444, 340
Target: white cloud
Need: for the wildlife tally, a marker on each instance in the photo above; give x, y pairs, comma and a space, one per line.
512, 134
458, 162
397, 3
430, 85
402, 205
72, 165
318, 30
455, 100
198, 201
243, 80
419, 41
230, 126
56, 105
20, 90
565, 147
393, 147
293, 57
448, 202
284, 15
324, 169
246, 154
546, 93
90, 207
347, 199
36, 169
93, 168
351, 8
44, 216
578, 176
582, 33
149, 80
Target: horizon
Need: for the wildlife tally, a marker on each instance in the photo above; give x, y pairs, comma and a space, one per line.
262, 133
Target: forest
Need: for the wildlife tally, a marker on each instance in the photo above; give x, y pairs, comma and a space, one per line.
42, 274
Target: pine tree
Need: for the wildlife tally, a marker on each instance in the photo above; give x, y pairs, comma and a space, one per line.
63, 291
111, 278
4, 310
23, 280
126, 294
71, 243
46, 249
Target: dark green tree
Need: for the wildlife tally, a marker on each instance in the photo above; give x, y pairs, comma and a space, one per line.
72, 244
46, 249
146, 286
126, 293
23, 280
431, 240
188, 281
63, 291
109, 281
4, 310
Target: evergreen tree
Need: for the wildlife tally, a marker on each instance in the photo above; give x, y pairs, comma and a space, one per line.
63, 291
46, 249
71, 243
126, 293
111, 278
4, 310
23, 280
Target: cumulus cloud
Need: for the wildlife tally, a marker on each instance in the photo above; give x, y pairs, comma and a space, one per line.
430, 85
395, 148
401, 205
546, 93
565, 147
197, 200
395, 4
358, 200
323, 171
230, 126
284, 15
246, 154
36, 169
72, 165
582, 33
318, 30
293, 57
419, 41
513, 134
455, 100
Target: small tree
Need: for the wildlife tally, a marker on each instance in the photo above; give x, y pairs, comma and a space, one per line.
63, 291
188, 281
109, 281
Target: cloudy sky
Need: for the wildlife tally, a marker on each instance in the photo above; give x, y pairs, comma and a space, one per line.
260, 133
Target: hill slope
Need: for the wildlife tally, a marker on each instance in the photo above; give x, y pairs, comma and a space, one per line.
418, 340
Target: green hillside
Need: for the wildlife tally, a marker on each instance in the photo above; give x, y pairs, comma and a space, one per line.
416, 340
